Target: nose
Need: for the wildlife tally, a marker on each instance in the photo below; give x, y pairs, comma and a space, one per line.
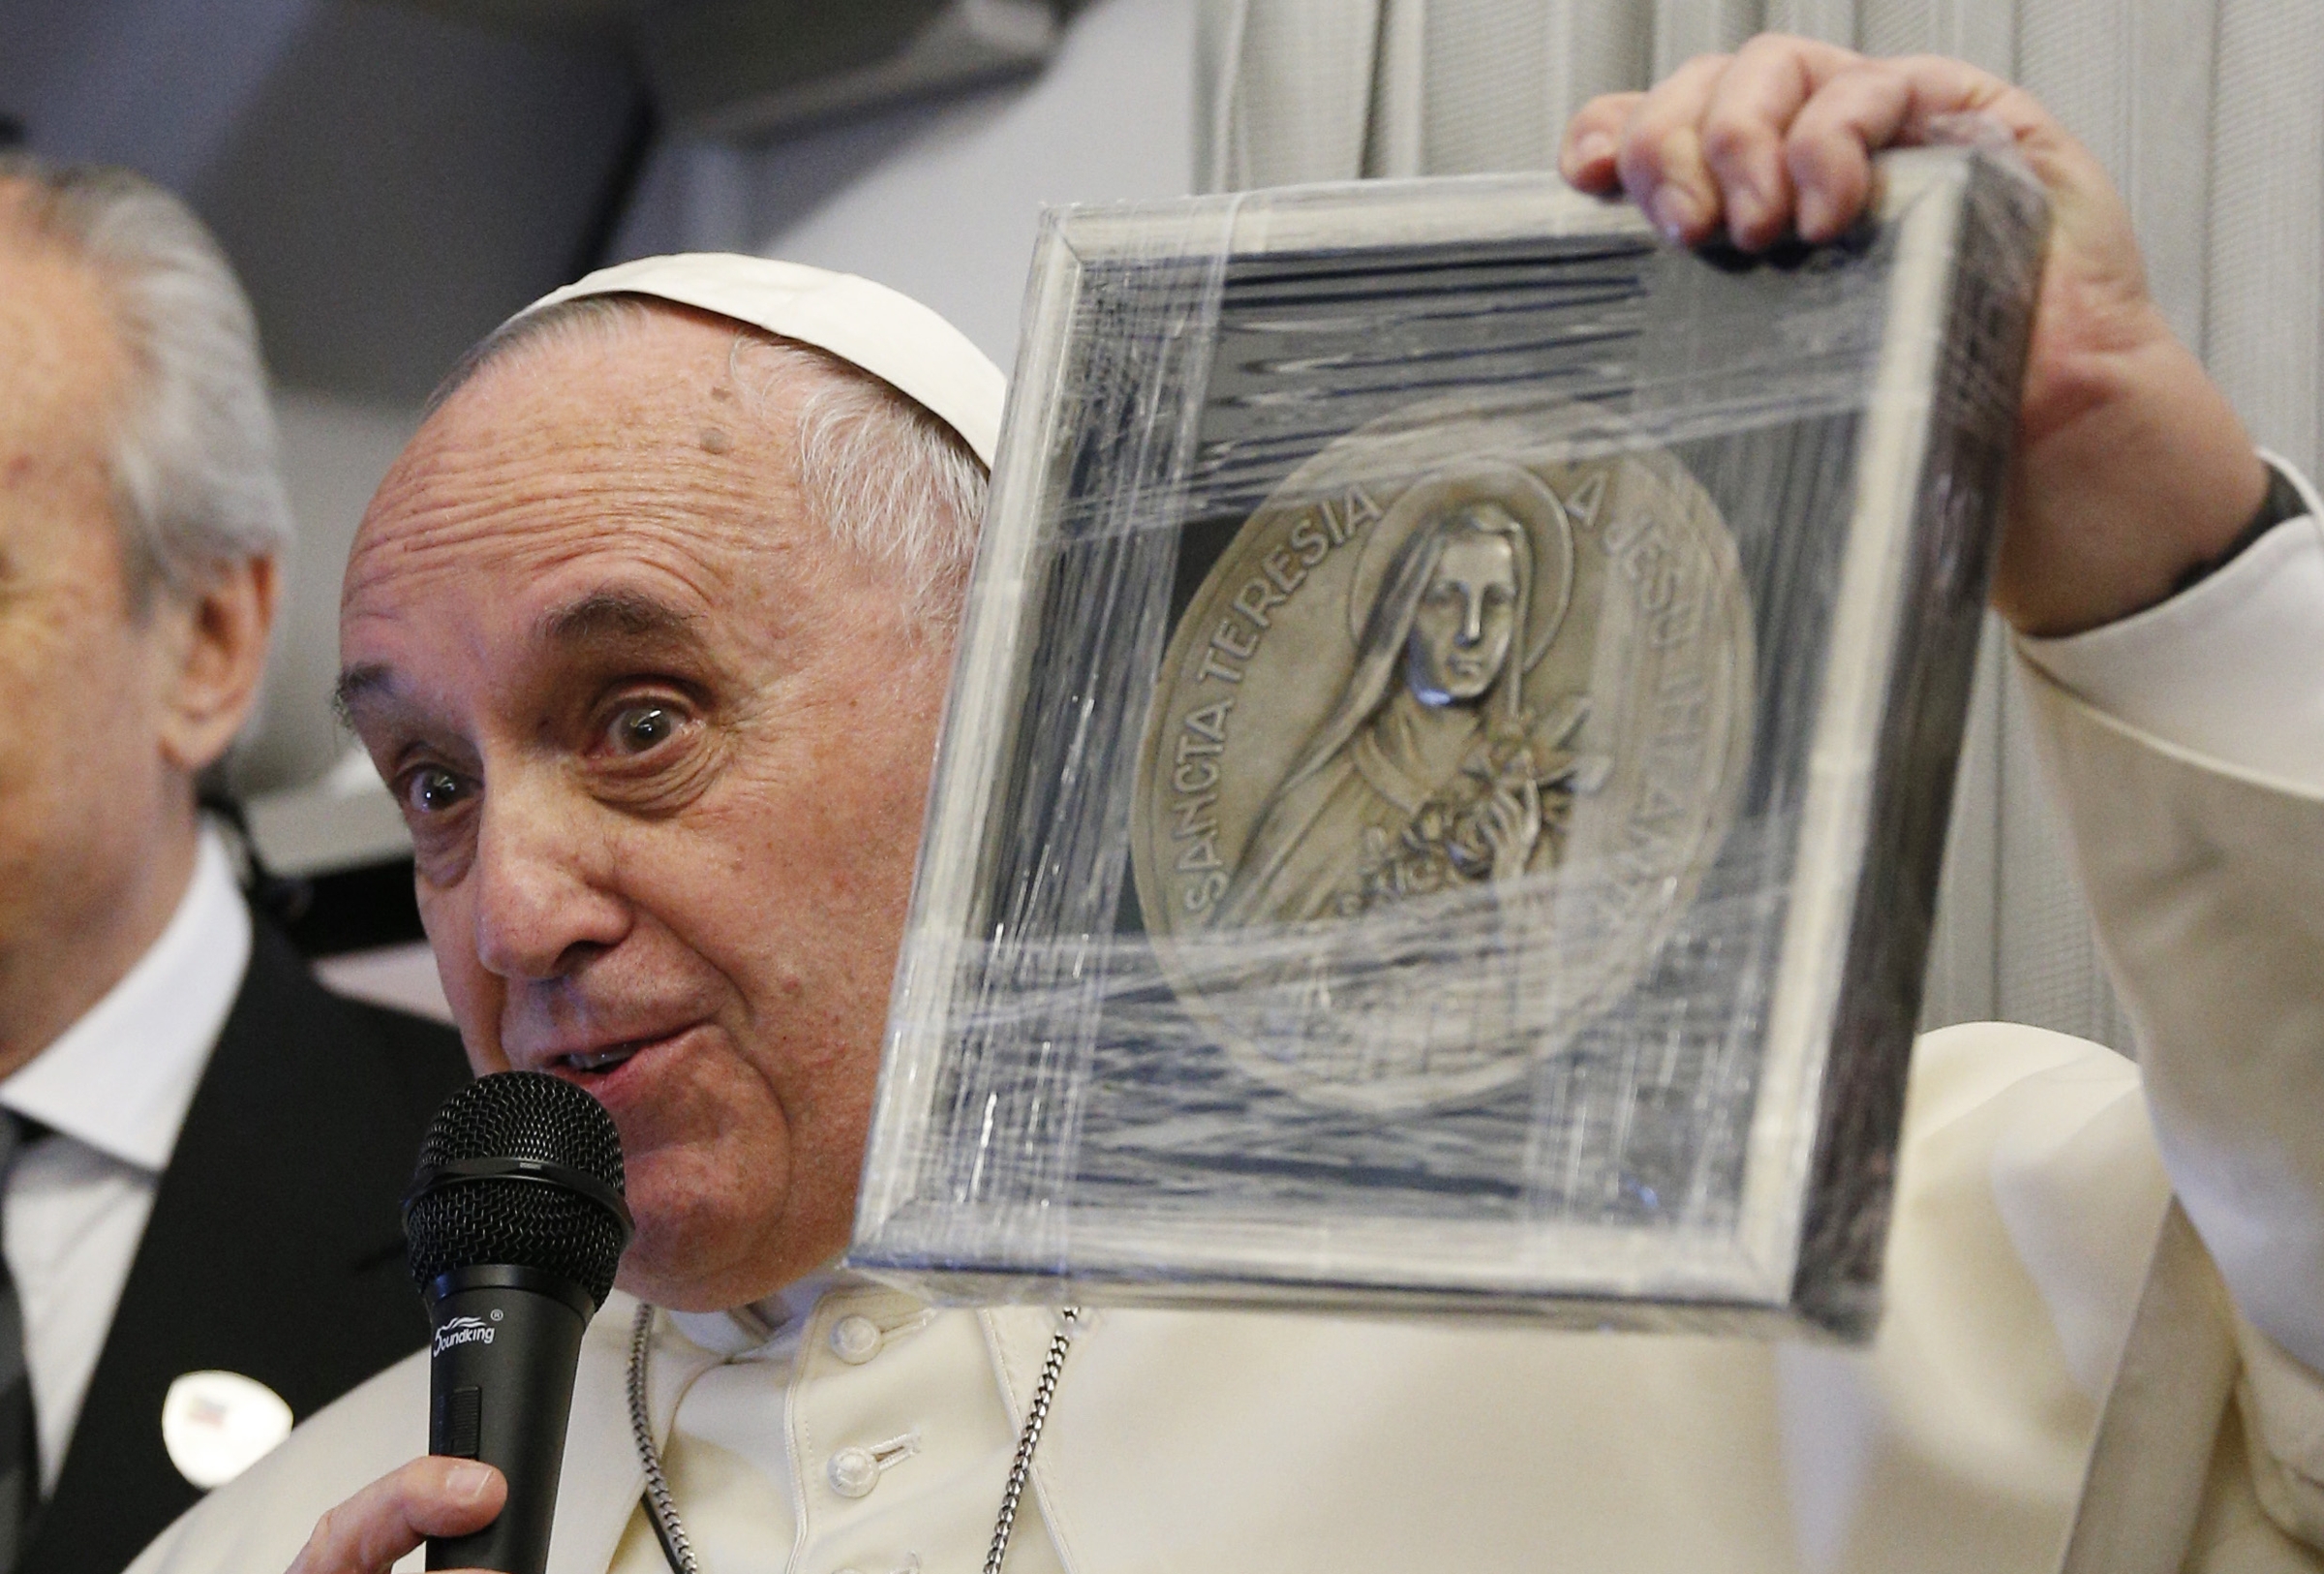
543, 899
1472, 616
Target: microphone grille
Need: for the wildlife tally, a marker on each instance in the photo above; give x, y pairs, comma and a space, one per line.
508, 1220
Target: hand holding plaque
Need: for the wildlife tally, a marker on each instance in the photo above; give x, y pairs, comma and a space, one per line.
2130, 466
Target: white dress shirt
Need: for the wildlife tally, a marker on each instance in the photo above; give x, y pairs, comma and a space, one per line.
112, 1091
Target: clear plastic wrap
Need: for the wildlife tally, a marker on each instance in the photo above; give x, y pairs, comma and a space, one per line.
1440, 801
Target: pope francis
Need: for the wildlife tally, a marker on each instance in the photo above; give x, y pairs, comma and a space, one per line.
649, 627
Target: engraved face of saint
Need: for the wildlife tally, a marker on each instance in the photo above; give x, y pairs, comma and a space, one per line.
1466, 619
1409, 743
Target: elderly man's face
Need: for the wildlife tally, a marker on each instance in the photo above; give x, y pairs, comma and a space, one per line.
663, 748
84, 775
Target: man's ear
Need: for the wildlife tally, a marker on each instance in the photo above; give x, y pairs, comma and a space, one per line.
216, 661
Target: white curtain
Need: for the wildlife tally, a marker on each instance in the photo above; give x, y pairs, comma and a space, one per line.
2210, 113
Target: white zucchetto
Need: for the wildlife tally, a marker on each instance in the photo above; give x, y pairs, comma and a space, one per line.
890, 335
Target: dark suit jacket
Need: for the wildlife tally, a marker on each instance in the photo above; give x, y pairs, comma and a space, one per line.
275, 1247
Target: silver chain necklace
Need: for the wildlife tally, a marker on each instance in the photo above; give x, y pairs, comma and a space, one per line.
662, 1509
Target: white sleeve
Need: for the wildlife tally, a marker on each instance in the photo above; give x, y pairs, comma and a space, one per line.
2232, 668
2207, 886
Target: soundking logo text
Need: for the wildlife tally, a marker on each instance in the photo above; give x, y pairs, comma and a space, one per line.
464, 1331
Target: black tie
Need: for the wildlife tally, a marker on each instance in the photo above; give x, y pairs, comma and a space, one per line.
19, 1444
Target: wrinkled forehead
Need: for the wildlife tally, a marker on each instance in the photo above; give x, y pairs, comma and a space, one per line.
632, 475
643, 435
621, 381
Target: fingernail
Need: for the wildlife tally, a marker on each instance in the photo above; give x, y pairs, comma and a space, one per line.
1675, 211
467, 1482
1595, 146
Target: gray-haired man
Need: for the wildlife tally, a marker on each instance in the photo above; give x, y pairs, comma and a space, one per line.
202, 1148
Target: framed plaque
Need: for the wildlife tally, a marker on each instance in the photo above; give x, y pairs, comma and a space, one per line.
1440, 802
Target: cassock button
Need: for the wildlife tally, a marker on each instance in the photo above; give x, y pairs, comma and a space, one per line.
854, 1472
218, 1424
855, 1339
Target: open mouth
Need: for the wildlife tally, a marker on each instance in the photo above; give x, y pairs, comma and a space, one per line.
598, 1066
602, 1060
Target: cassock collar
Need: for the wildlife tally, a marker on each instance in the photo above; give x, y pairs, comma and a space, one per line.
767, 1326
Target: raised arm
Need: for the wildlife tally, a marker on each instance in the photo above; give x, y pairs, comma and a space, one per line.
2190, 754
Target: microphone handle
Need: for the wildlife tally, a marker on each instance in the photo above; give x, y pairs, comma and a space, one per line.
502, 1352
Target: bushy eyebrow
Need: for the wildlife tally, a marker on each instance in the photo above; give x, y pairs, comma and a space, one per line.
358, 684
600, 618
605, 615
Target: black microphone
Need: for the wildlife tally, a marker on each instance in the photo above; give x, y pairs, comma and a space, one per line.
515, 1222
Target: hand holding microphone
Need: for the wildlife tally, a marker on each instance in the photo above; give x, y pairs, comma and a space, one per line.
516, 1223
428, 1498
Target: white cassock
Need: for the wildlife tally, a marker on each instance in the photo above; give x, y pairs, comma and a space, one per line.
847, 1427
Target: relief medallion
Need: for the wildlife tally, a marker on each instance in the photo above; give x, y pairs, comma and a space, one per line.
1443, 745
